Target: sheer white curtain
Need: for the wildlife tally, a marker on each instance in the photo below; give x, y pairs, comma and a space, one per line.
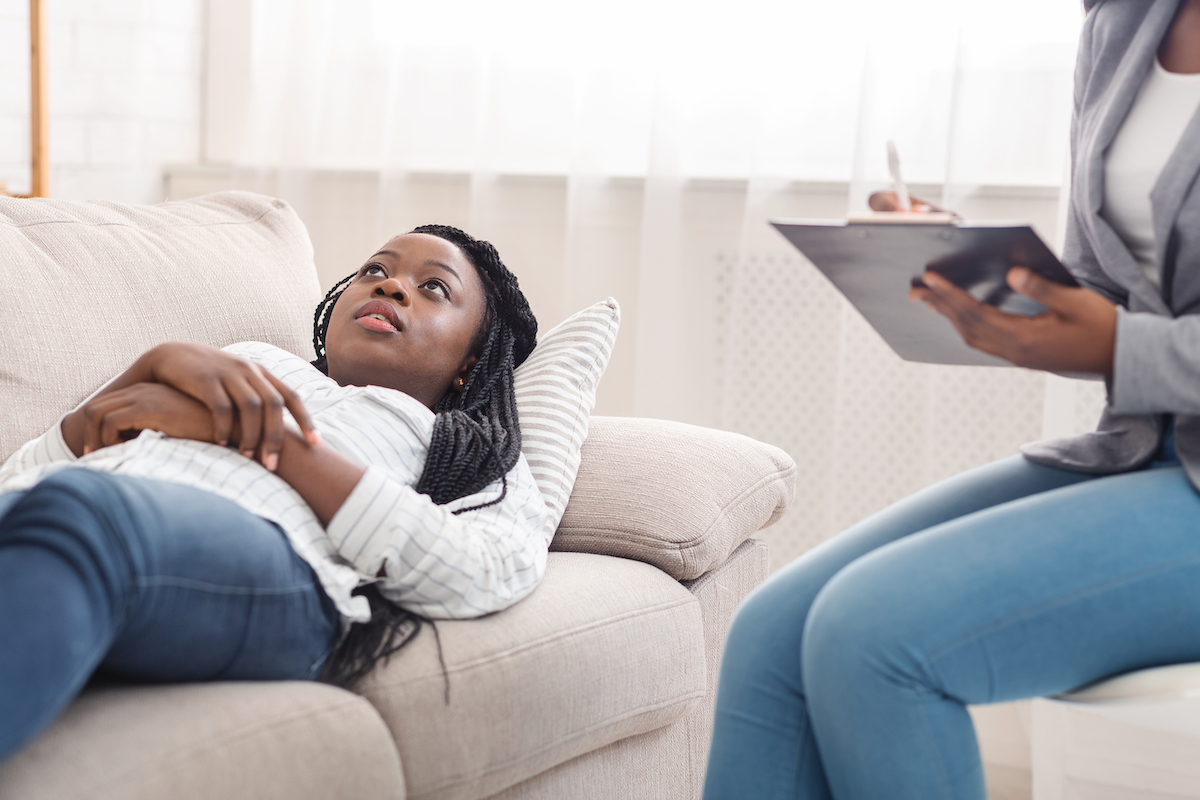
971, 90
637, 148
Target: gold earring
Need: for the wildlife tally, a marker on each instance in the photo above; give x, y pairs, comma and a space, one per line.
460, 384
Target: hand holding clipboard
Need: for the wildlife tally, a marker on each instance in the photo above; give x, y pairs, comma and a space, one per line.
1007, 298
1075, 334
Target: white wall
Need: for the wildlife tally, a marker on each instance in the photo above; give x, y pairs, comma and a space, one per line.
125, 95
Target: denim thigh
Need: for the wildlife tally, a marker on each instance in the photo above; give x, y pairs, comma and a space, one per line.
1032, 597
197, 587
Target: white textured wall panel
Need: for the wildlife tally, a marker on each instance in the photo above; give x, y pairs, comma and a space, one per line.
125, 80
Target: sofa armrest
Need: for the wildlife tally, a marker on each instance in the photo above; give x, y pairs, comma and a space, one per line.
677, 496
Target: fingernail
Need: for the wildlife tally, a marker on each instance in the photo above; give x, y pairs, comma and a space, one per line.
314, 438
271, 461
247, 453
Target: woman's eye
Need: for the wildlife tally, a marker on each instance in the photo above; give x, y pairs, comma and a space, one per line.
372, 269
438, 287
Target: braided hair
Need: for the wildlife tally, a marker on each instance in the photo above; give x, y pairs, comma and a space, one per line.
475, 440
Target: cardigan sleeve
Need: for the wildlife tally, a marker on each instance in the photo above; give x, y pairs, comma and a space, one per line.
1156, 364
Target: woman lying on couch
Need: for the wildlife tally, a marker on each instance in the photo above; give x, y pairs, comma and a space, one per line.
225, 543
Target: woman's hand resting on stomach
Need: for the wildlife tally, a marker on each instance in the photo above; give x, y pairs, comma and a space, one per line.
229, 389
322, 476
118, 416
1076, 333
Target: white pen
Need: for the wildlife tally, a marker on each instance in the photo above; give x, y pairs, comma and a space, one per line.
902, 199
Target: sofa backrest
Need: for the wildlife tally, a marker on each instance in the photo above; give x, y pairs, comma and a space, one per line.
89, 286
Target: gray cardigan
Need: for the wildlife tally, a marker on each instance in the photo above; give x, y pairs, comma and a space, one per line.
1156, 369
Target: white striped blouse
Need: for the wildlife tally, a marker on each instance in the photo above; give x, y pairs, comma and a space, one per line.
436, 563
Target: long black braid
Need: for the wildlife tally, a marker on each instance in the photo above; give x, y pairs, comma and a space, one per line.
475, 441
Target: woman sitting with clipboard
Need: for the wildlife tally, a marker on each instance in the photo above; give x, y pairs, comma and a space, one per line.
848, 674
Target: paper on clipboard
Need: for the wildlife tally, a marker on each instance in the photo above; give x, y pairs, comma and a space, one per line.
874, 260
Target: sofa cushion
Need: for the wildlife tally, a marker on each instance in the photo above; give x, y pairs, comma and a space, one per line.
234, 741
677, 496
555, 390
604, 649
666, 764
222, 268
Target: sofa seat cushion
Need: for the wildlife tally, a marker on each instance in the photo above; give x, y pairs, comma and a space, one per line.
604, 649
677, 496
218, 269
234, 741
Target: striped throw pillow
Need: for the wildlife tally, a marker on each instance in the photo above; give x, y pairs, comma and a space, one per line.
556, 389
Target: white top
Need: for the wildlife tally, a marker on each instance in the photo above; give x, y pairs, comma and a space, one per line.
1162, 109
437, 563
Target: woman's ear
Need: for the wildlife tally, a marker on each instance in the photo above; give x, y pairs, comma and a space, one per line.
464, 374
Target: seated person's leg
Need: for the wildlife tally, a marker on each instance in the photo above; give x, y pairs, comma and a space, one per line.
153, 580
1035, 597
762, 744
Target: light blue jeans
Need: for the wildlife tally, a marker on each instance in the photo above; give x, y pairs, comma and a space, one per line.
847, 674
146, 581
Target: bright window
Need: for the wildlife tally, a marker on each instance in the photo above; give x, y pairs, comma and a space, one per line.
972, 91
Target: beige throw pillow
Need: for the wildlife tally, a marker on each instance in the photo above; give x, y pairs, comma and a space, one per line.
677, 496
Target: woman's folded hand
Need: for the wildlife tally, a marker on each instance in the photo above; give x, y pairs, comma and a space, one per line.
120, 415
230, 388
231, 391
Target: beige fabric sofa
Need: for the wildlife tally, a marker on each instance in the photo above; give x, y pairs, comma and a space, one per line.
599, 685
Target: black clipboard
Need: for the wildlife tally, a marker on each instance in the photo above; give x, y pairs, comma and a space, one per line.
874, 261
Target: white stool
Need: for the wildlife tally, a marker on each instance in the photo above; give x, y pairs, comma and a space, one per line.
1133, 737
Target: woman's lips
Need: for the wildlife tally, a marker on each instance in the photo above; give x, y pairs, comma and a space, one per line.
376, 324
378, 316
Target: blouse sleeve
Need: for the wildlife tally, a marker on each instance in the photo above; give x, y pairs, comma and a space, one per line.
45, 449
426, 557
438, 563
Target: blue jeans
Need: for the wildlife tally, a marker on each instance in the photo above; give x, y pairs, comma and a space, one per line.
146, 581
848, 673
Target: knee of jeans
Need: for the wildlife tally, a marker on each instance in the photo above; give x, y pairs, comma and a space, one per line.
860, 624
764, 638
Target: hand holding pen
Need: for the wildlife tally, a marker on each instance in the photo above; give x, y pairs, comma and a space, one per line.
888, 201
899, 200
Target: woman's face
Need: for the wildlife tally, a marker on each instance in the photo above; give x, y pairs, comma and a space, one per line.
407, 319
